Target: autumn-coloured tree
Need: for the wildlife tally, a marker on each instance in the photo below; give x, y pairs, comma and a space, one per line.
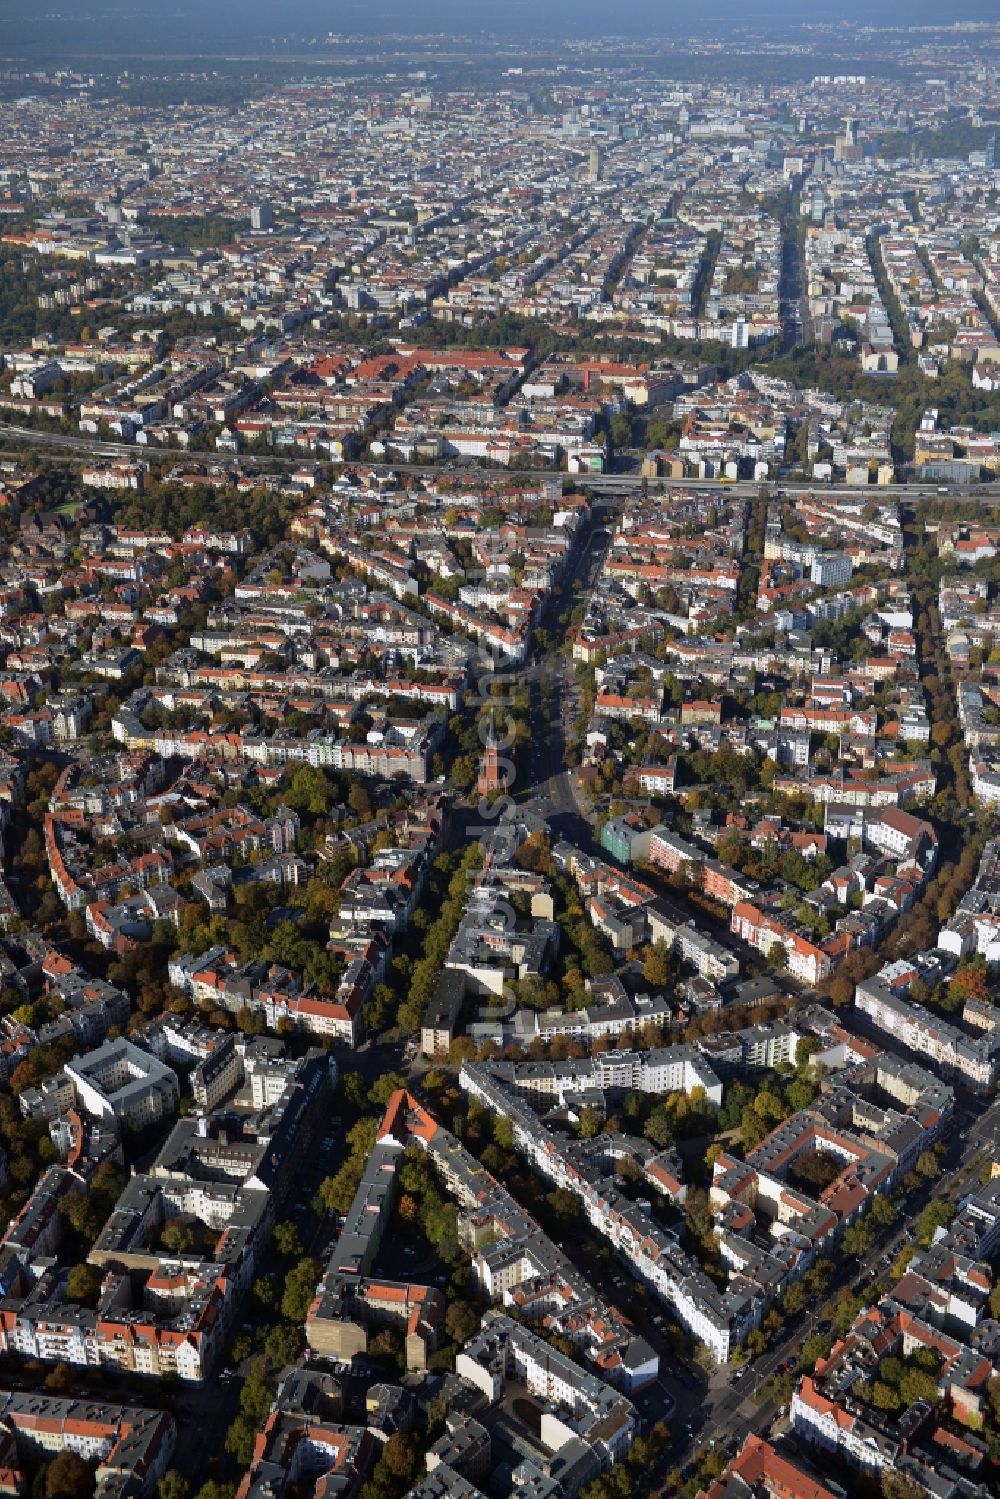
970, 982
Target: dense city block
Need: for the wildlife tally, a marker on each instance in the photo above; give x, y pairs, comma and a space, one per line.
500, 760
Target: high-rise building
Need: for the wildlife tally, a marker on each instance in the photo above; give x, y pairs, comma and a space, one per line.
847, 147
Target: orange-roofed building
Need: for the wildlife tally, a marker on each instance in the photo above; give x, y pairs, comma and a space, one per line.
764, 1470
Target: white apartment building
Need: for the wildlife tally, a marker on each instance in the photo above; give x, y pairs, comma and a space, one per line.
120, 1081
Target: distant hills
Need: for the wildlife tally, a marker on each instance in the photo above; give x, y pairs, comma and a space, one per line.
257, 27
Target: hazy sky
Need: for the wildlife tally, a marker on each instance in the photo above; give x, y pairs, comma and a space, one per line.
232, 22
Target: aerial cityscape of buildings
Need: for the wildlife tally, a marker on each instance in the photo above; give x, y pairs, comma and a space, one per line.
500, 763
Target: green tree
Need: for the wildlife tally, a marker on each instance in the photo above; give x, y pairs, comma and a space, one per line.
935, 1215
993, 1392
384, 1087
796, 1299
752, 1128
216, 1490
856, 1240
799, 1094
845, 1313
917, 1384
69, 1477
656, 966
300, 1288
256, 1398
286, 1239
814, 1348
173, 1486
462, 1320
770, 1107
660, 1129
283, 1345
884, 1397
240, 1440
178, 1237
355, 1090
83, 1284
564, 1205
310, 791
883, 1211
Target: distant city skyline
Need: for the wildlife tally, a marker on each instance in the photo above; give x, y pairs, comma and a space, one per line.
128, 29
